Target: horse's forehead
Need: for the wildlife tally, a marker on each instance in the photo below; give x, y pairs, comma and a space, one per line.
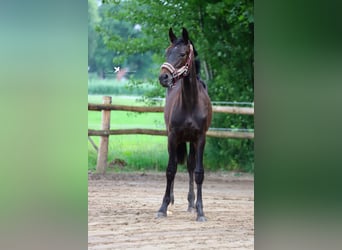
178, 47
174, 49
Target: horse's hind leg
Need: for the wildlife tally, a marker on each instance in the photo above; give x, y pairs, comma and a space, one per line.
191, 163
170, 176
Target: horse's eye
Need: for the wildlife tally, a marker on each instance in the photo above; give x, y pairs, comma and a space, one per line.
182, 54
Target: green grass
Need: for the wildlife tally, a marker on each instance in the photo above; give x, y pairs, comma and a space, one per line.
123, 119
114, 87
140, 152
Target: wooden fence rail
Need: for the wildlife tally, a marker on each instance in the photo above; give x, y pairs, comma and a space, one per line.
216, 109
105, 131
134, 131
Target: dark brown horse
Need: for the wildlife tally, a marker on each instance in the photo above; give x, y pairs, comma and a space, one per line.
187, 115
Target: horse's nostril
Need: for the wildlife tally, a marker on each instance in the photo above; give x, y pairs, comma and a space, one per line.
164, 79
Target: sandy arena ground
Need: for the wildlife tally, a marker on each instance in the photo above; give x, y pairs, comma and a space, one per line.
122, 209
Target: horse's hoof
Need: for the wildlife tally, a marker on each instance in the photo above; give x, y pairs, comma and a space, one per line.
161, 215
201, 219
192, 210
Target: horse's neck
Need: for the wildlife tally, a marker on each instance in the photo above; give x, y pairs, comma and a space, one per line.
190, 89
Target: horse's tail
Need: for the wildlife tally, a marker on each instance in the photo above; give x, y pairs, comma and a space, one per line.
181, 153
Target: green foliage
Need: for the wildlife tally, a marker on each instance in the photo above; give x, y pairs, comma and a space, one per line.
232, 78
223, 33
103, 31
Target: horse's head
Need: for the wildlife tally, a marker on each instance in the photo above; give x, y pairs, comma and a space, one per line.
179, 58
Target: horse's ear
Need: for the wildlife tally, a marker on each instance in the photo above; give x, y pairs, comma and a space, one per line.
185, 36
172, 36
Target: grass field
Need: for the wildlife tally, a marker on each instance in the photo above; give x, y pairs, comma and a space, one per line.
140, 152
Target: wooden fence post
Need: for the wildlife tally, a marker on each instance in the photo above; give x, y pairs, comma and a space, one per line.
102, 156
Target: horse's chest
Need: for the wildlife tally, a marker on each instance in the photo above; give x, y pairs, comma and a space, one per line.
187, 126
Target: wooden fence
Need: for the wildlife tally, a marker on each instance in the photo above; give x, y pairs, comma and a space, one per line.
105, 131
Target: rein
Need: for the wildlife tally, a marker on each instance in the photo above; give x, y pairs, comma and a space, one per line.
182, 71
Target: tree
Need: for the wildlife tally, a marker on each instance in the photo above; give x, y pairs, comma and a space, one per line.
93, 19
103, 31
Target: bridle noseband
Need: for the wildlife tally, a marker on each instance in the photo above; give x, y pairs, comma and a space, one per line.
182, 71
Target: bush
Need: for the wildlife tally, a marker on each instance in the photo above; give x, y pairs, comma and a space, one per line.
231, 154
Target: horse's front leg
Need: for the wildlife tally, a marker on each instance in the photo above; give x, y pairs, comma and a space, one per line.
191, 163
170, 175
199, 177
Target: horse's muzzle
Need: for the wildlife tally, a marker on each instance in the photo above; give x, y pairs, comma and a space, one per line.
165, 79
